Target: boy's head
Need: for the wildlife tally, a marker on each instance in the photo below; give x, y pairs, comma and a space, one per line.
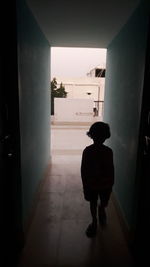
99, 131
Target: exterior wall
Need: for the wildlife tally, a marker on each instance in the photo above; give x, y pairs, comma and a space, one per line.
73, 110
34, 69
79, 87
123, 97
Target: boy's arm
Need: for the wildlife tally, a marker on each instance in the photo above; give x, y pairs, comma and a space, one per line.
111, 167
83, 168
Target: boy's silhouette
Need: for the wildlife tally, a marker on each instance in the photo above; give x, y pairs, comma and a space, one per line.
97, 173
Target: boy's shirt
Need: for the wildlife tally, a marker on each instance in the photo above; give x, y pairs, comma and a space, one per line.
97, 167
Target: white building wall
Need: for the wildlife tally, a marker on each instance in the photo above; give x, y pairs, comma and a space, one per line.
78, 106
73, 110
79, 87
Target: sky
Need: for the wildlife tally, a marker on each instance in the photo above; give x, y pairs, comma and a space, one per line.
75, 62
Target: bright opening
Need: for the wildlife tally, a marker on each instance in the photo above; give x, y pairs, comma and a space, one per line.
77, 93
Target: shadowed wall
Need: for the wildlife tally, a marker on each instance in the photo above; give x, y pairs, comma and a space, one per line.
123, 98
34, 79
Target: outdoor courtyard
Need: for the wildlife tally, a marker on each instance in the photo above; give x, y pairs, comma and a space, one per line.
69, 139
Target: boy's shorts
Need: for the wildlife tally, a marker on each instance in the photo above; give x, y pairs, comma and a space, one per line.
93, 195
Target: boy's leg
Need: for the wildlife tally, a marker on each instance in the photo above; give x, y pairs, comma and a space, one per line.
104, 197
102, 215
93, 209
91, 230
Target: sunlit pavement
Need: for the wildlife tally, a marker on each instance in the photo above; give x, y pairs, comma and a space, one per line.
69, 138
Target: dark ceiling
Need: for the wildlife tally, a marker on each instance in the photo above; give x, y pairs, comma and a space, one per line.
81, 23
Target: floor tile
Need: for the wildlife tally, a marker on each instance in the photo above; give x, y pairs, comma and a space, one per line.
56, 237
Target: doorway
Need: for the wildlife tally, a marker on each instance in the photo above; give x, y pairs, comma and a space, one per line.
77, 94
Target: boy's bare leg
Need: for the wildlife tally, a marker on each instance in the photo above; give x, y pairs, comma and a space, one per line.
102, 214
93, 208
91, 230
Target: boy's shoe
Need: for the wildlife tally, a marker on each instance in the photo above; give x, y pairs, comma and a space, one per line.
91, 230
102, 216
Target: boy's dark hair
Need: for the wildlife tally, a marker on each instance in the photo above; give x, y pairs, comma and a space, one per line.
99, 130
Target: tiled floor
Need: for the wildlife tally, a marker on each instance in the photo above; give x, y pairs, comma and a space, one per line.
56, 237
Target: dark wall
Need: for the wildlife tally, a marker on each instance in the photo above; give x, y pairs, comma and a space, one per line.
10, 166
123, 97
34, 101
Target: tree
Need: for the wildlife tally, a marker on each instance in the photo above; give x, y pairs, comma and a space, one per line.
56, 92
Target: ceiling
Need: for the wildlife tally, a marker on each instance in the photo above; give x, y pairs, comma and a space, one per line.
71, 23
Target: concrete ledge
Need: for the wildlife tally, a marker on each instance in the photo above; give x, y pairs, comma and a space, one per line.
70, 123
80, 123
67, 152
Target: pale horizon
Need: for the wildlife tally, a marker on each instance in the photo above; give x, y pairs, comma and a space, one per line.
75, 62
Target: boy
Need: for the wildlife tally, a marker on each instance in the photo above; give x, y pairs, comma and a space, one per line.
97, 173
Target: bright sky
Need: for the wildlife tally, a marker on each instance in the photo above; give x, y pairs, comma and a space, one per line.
75, 62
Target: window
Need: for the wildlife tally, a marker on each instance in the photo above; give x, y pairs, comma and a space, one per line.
100, 73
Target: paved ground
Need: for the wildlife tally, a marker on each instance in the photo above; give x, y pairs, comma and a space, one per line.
56, 237
69, 138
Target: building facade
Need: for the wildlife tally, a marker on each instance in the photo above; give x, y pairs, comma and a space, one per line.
90, 87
